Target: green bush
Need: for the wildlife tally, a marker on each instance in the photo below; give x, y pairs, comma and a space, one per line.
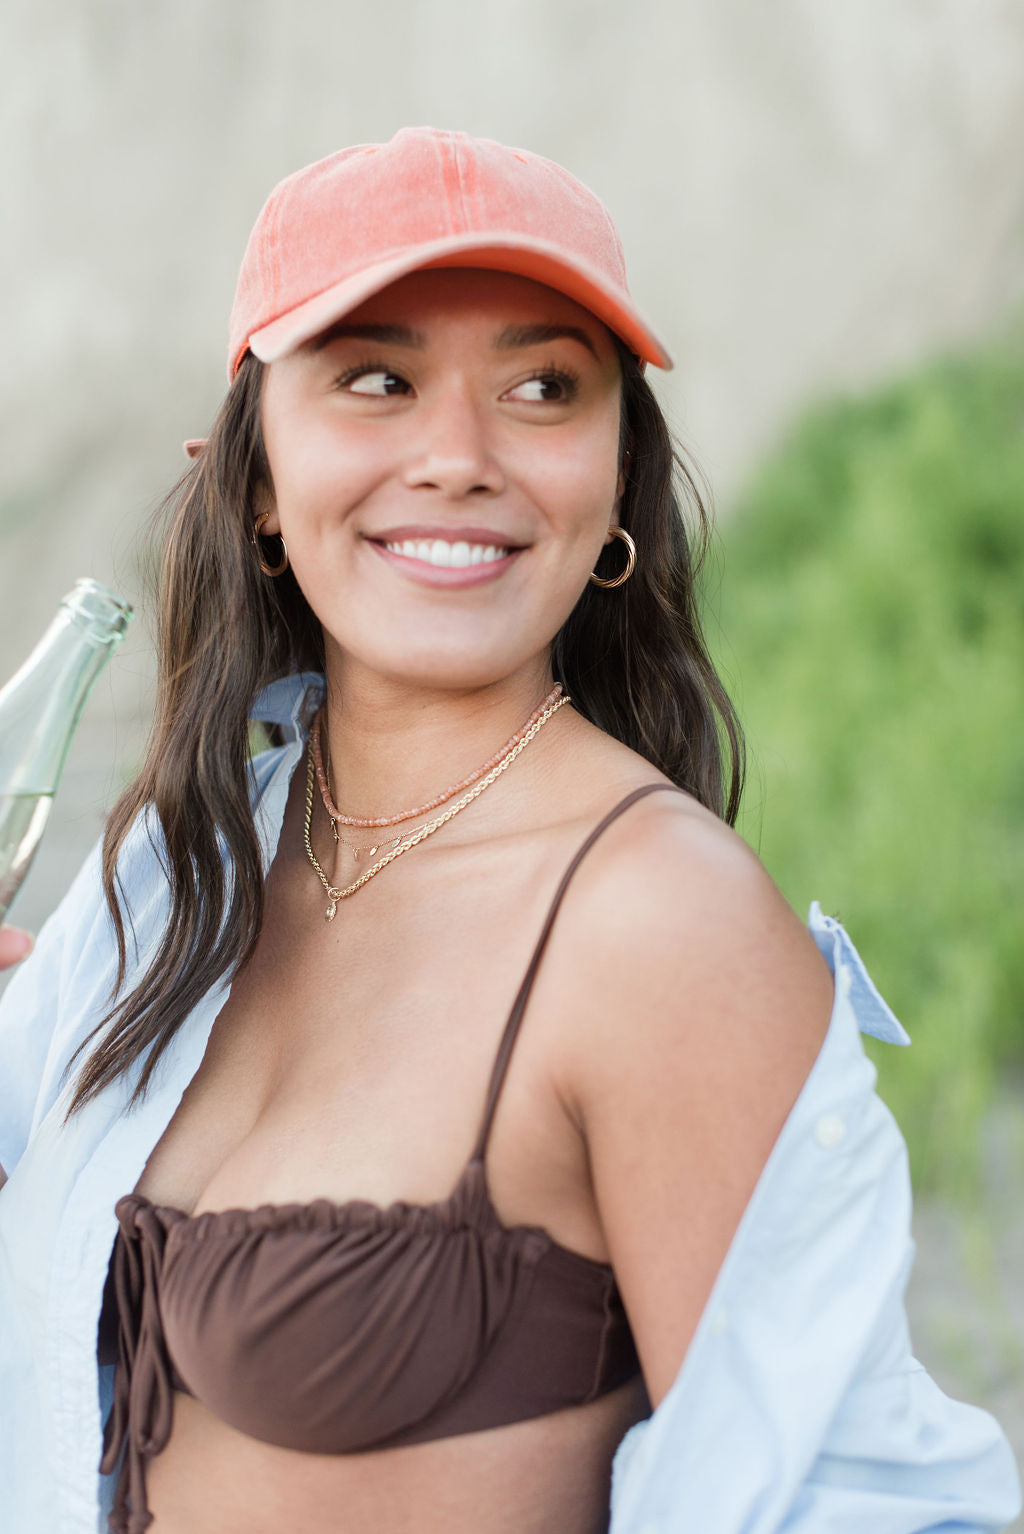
871, 624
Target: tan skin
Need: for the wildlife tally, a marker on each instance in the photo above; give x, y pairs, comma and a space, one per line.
680, 1004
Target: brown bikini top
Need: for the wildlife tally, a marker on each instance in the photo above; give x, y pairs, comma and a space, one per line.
334, 1328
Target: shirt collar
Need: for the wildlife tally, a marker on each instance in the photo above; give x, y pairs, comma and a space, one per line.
290, 702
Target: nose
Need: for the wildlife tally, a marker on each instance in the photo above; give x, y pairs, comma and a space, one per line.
454, 453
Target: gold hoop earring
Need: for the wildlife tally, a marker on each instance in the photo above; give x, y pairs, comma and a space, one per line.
620, 580
278, 569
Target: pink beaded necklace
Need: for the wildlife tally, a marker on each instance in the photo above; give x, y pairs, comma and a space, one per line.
338, 818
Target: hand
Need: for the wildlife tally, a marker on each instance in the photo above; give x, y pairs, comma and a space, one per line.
15, 945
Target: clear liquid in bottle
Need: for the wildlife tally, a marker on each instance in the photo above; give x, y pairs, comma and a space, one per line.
23, 819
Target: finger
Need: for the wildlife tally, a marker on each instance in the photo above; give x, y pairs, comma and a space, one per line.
15, 945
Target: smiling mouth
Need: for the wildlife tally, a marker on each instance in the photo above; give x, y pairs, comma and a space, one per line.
443, 555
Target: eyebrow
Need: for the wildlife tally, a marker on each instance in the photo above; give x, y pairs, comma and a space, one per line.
510, 339
539, 335
386, 335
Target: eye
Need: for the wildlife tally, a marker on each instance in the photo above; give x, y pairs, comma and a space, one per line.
372, 378
550, 386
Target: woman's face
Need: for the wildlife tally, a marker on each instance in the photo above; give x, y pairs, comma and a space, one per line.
445, 470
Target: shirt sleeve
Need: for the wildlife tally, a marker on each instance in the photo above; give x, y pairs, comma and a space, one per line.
30, 1008
800, 1407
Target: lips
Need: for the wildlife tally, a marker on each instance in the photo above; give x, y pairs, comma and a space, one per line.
429, 532
466, 556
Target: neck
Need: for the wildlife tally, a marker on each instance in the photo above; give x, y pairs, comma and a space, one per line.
393, 746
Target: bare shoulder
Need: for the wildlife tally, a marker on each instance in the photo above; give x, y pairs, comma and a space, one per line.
676, 880
683, 945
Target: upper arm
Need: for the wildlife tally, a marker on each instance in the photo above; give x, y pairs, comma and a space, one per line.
704, 1003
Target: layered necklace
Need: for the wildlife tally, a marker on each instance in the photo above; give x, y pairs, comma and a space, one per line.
475, 783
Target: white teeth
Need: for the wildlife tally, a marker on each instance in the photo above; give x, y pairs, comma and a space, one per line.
446, 555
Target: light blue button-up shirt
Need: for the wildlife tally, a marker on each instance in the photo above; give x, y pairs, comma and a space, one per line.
799, 1408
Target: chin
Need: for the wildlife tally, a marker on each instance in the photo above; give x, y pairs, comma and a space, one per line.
467, 674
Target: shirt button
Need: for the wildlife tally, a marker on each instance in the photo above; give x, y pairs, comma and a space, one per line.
844, 979
829, 1130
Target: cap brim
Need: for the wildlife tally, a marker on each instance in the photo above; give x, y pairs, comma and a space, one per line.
537, 259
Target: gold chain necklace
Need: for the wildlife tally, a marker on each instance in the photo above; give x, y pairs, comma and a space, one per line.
338, 819
335, 894
382, 841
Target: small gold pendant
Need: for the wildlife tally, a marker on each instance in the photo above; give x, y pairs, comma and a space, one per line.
331, 909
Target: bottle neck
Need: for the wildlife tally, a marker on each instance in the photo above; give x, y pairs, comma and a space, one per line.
42, 703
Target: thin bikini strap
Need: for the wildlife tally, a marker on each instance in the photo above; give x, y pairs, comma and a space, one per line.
508, 1038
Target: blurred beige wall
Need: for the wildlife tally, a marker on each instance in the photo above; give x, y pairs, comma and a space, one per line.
810, 195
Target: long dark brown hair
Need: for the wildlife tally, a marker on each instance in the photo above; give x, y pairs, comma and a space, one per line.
634, 662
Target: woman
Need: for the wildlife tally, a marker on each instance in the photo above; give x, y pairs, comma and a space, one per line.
417, 1195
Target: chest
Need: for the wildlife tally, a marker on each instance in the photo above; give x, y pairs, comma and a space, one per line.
352, 1059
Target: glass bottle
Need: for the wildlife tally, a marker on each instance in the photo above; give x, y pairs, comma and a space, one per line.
39, 709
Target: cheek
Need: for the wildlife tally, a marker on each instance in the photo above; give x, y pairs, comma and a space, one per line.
316, 469
578, 487
318, 480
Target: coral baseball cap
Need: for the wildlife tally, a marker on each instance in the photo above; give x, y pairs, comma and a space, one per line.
334, 233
